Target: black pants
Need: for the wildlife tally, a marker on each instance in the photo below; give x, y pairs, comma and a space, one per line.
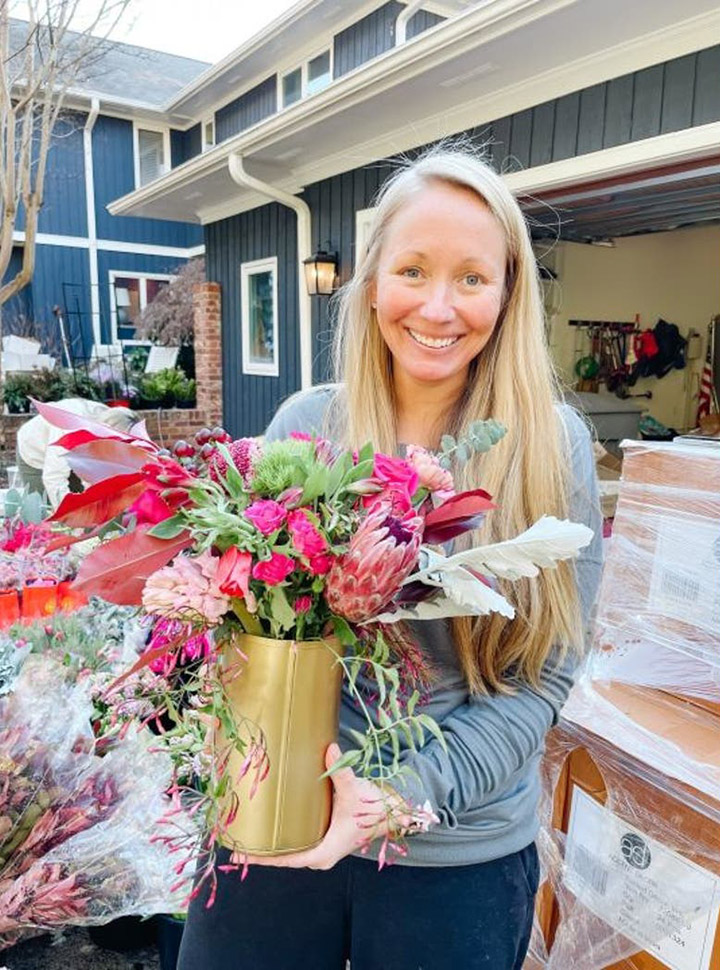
475, 917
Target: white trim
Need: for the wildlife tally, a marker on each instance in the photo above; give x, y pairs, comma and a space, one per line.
114, 274
112, 245
670, 149
363, 221
164, 130
247, 270
91, 219
205, 146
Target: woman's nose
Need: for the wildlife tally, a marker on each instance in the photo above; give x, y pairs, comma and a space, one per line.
438, 306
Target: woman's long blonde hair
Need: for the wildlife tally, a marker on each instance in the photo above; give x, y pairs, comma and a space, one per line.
511, 380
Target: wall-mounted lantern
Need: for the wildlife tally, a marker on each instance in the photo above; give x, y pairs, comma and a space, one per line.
320, 272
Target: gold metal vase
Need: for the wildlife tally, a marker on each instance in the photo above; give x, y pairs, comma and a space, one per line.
288, 693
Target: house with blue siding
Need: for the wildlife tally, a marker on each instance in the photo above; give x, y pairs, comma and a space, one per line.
603, 116
115, 137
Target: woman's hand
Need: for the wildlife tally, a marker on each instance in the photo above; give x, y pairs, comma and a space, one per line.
360, 811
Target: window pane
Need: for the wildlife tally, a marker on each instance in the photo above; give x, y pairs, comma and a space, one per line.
209, 133
127, 299
319, 72
292, 87
260, 302
154, 287
152, 155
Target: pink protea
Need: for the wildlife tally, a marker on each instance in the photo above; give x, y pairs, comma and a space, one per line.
382, 553
244, 452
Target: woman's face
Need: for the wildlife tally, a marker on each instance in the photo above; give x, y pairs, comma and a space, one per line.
439, 285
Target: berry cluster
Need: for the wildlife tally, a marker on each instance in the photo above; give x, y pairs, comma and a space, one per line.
202, 448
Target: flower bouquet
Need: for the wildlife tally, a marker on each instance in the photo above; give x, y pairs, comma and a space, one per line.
301, 559
75, 842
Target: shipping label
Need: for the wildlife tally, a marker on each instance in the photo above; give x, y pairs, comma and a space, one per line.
653, 896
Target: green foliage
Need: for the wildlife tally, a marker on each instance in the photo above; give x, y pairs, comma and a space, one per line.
478, 438
28, 506
282, 464
47, 385
166, 388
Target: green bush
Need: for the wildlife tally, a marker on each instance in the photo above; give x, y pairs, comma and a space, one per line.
167, 388
47, 385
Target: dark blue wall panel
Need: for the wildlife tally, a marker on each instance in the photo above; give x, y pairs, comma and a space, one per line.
246, 110
249, 401
62, 277
375, 34
185, 145
114, 177
64, 210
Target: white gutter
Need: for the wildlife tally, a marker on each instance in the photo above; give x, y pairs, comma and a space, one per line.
304, 246
91, 222
402, 21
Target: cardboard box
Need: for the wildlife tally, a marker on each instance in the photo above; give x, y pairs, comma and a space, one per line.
639, 886
658, 611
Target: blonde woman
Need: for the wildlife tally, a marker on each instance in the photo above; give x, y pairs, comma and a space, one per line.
441, 324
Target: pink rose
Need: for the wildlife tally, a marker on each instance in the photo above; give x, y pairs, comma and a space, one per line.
273, 570
302, 604
233, 573
321, 565
266, 515
396, 473
306, 538
432, 475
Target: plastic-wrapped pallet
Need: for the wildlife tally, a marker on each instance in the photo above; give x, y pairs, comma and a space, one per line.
658, 620
631, 861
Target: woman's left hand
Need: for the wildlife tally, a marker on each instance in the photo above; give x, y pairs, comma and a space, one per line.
359, 810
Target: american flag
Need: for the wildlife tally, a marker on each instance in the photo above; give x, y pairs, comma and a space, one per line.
707, 398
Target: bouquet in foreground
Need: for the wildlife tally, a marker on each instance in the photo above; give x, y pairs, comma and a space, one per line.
274, 571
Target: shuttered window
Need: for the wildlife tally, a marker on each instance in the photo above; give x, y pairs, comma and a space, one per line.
152, 155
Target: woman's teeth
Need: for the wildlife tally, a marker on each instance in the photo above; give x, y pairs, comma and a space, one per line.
432, 341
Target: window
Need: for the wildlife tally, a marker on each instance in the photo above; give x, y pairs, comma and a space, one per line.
208, 133
152, 154
363, 222
129, 295
309, 78
258, 284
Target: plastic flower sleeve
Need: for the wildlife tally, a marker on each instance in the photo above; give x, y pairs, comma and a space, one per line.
76, 830
630, 859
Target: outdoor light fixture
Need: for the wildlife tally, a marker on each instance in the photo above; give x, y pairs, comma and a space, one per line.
320, 270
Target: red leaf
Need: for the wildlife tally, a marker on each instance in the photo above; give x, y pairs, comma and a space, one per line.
145, 660
97, 460
61, 418
63, 541
456, 515
118, 569
100, 502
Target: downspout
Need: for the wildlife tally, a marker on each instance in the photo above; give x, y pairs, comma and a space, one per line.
304, 247
91, 222
402, 21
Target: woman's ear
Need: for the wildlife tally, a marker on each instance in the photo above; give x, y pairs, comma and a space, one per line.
372, 294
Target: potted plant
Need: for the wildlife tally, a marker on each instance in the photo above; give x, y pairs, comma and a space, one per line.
185, 394
16, 390
150, 392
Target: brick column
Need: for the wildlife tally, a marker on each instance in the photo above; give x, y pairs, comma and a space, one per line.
208, 350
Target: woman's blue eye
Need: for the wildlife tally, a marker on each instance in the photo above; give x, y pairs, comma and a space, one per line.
412, 272
472, 279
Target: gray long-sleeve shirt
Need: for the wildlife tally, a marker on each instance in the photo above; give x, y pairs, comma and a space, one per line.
485, 786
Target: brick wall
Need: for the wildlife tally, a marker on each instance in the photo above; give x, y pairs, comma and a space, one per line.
208, 351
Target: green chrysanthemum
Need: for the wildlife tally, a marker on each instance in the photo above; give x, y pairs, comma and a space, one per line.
281, 466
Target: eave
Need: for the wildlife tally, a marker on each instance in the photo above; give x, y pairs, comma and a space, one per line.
493, 60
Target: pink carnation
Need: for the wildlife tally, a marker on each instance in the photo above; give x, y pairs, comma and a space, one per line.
274, 570
321, 565
432, 475
302, 604
266, 515
187, 589
306, 538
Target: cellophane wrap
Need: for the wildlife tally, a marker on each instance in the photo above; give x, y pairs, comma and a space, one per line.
76, 830
659, 604
606, 909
